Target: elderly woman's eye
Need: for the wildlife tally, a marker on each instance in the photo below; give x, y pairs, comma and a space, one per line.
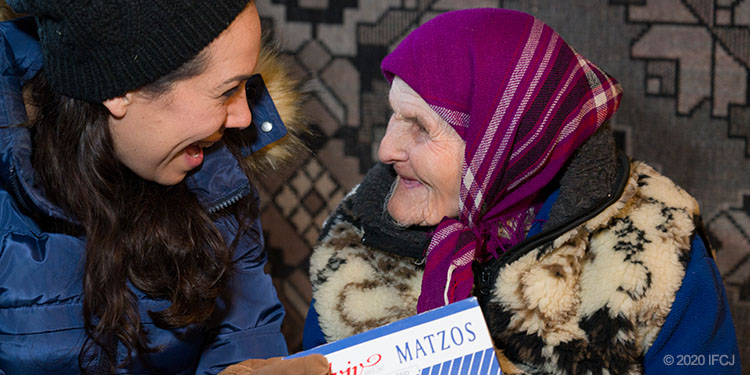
417, 124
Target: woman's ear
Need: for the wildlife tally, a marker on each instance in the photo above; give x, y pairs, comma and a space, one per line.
118, 106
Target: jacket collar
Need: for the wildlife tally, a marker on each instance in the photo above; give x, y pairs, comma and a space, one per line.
20, 60
594, 179
17, 175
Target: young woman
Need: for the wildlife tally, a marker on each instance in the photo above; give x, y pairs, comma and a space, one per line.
130, 240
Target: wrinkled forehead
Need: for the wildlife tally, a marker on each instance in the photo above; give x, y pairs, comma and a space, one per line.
405, 101
401, 93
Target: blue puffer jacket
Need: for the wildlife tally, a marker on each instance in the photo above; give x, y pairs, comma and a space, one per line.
41, 325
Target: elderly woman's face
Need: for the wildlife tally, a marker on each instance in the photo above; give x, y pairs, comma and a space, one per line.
427, 155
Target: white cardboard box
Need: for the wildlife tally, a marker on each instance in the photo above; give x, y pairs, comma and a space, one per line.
450, 340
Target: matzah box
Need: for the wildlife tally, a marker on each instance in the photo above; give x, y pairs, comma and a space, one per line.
450, 340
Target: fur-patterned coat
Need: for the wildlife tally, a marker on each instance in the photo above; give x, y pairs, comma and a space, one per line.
588, 294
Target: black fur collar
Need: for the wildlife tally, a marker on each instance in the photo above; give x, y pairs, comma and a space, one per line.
380, 230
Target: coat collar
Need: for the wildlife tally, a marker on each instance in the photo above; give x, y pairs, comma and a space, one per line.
20, 60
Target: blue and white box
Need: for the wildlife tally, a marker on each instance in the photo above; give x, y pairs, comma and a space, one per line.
450, 340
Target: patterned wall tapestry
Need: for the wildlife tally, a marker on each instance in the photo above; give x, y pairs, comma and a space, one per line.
684, 66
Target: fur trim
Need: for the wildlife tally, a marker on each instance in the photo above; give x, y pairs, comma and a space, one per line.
6, 13
598, 300
288, 95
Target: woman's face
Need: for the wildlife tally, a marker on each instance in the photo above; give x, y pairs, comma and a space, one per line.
161, 139
427, 155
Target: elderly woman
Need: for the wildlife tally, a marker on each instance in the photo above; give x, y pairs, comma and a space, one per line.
500, 179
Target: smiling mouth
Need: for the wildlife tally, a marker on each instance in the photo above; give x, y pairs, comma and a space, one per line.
409, 183
195, 150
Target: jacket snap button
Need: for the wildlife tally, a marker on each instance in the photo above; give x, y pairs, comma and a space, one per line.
266, 127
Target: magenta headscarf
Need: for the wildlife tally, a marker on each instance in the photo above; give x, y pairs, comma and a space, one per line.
523, 101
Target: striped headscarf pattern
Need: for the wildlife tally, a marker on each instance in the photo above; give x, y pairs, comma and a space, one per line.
523, 101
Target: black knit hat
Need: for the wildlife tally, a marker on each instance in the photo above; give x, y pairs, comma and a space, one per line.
99, 49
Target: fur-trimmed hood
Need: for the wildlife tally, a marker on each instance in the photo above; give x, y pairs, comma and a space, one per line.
6, 12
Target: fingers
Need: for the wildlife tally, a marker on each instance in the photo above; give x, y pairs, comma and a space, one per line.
314, 364
249, 366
